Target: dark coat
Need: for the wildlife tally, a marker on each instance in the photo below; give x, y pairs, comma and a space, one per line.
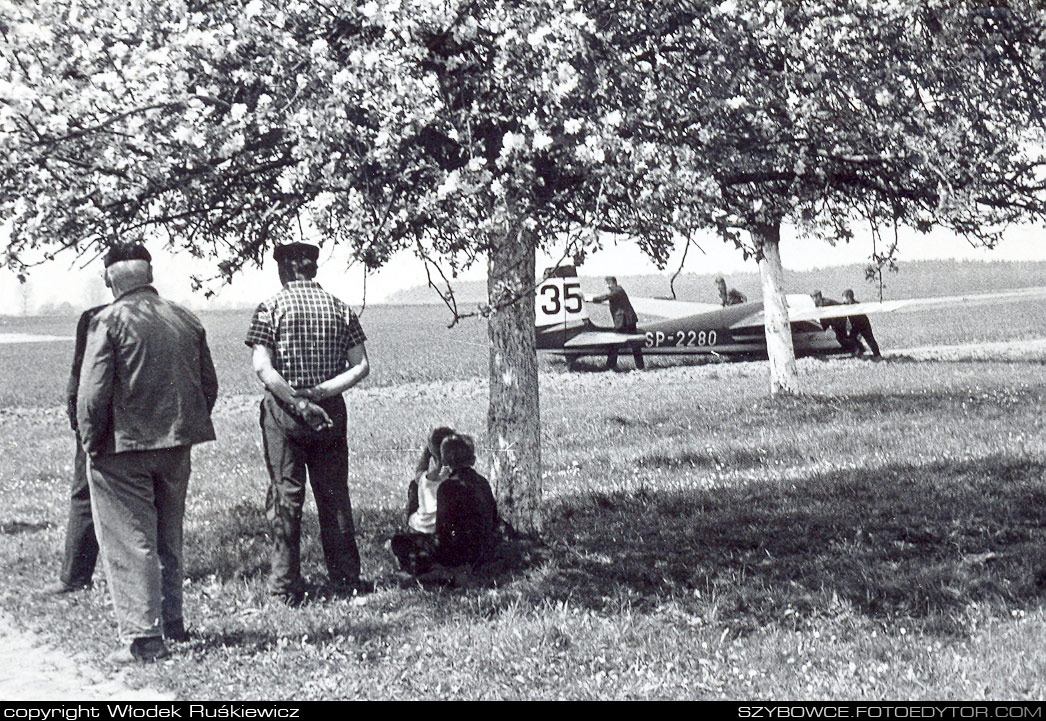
466, 514
625, 318
78, 358
147, 380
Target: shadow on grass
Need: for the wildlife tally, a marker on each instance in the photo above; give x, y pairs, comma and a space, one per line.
927, 544
258, 640
233, 544
13, 528
229, 544
922, 542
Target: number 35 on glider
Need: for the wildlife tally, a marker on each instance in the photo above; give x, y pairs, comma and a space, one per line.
563, 326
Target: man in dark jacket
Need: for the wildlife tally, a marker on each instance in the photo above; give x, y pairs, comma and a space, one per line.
81, 545
625, 320
147, 387
860, 327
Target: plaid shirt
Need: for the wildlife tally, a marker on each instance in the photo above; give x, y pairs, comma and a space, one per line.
309, 332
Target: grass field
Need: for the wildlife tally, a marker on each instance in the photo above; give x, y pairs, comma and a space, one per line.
882, 537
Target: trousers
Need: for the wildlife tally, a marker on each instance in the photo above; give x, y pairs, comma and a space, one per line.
637, 351
138, 499
81, 546
861, 327
293, 453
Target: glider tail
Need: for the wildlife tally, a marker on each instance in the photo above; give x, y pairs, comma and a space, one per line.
559, 308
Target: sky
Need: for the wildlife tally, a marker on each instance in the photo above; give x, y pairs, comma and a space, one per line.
65, 281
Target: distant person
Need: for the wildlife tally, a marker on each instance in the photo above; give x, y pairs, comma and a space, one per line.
147, 387
625, 320
307, 349
81, 544
838, 325
860, 327
465, 516
728, 297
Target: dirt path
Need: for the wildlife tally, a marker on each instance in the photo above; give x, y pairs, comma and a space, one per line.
31, 671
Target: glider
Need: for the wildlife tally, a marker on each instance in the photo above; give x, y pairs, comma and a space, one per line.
563, 326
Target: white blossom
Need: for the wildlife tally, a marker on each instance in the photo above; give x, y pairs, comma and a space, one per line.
254, 8
449, 185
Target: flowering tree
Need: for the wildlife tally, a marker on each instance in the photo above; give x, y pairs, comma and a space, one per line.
460, 130
894, 111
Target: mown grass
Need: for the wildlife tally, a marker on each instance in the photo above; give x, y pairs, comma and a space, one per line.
882, 537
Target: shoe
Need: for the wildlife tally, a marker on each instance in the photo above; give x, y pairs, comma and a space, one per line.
175, 631
140, 650
363, 586
288, 598
59, 588
358, 587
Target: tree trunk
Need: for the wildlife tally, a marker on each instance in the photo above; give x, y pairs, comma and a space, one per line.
513, 417
784, 378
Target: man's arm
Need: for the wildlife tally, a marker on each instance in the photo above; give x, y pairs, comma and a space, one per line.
615, 293
261, 359
358, 369
95, 392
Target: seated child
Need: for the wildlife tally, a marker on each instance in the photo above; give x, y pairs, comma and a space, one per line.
414, 549
421, 493
466, 512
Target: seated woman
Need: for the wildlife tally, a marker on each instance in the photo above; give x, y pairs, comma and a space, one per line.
414, 549
421, 493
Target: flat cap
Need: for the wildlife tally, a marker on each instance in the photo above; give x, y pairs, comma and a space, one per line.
289, 251
126, 251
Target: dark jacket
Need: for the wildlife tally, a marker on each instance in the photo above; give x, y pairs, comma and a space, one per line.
147, 379
858, 323
466, 514
620, 308
78, 358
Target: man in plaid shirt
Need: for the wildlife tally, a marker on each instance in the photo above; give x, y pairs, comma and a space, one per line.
308, 349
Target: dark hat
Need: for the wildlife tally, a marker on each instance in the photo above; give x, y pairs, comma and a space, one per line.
126, 251
296, 251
